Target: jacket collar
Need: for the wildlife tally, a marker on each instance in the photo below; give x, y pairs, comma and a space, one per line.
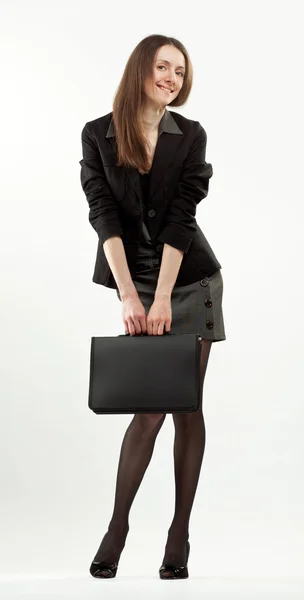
167, 124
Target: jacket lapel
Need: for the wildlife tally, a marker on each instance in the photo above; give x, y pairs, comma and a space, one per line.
169, 139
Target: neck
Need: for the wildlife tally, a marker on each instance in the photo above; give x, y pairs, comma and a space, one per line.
151, 118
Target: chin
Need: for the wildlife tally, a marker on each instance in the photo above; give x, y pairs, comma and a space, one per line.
159, 104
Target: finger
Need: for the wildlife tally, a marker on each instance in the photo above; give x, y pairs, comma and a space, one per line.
149, 327
143, 325
160, 330
137, 326
168, 326
155, 328
131, 327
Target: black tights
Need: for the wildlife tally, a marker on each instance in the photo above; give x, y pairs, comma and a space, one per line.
135, 455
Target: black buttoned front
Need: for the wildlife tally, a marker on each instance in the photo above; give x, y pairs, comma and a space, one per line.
209, 324
204, 282
208, 303
151, 212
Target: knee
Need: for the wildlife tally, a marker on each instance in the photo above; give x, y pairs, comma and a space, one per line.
149, 423
186, 422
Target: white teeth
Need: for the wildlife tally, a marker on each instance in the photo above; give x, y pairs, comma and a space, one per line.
165, 89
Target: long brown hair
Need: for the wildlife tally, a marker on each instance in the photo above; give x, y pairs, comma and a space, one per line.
129, 99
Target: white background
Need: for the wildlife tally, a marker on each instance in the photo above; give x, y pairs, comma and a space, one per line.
61, 64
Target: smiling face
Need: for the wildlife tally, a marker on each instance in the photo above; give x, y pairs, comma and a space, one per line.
168, 75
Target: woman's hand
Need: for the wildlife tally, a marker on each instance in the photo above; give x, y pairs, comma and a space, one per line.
134, 315
160, 316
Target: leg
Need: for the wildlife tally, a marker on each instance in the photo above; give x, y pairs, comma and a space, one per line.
189, 446
135, 455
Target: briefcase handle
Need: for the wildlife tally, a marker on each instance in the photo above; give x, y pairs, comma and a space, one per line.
142, 334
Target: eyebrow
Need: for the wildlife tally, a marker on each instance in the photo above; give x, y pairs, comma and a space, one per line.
168, 63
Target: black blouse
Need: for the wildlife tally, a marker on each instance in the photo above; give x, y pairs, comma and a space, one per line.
146, 248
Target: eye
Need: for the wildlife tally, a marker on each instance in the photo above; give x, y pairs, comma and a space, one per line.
163, 66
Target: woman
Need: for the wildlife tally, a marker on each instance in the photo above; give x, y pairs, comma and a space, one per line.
143, 173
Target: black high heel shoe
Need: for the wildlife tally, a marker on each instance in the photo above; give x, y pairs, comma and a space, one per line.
176, 572
97, 568
104, 569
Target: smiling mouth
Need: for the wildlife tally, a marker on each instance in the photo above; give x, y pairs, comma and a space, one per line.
164, 89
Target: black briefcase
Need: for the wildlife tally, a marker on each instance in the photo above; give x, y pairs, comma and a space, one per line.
145, 373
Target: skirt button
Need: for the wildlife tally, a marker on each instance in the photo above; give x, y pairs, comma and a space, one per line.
204, 282
209, 324
208, 303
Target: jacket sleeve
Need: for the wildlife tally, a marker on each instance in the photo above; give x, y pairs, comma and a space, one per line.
103, 213
193, 186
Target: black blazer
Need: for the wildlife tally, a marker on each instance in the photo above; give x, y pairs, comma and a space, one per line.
179, 181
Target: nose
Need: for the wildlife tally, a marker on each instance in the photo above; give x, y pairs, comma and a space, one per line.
171, 78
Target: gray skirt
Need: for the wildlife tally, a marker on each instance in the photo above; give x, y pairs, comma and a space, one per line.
196, 308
